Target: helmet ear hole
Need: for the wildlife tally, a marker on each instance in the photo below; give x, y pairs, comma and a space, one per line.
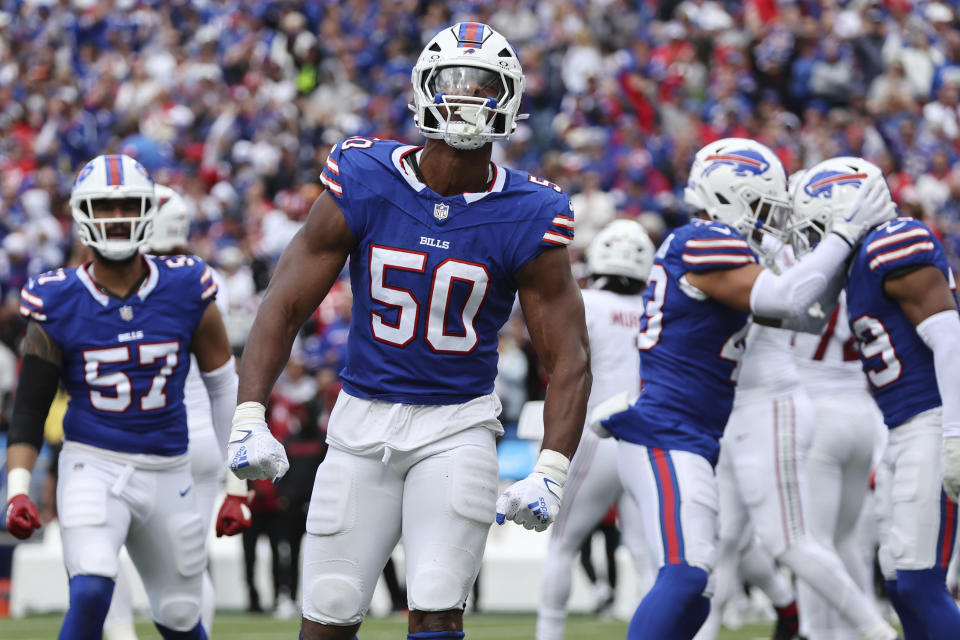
721, 198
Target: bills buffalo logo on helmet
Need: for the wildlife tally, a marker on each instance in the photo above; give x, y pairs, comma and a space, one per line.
822, 184
87, 169
744, 162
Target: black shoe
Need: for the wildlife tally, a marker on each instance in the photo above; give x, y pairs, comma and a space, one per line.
788, 623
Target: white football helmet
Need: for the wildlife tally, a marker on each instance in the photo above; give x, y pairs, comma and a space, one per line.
171, 224
824, 189
113, 177
742, 183
467, 86
622, 248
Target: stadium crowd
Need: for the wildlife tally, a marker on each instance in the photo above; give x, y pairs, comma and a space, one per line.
236, 103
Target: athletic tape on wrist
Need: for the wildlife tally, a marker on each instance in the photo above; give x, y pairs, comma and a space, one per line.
18, 481
236, 486
554, 465
250, 412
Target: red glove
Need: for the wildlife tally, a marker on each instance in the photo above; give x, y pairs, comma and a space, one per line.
234, 515
22, 516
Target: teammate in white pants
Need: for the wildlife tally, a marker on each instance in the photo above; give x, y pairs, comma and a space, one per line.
902, 308
848, 429
618, 262
767, 436
169, 236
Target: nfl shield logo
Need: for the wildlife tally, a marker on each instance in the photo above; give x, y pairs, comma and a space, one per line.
441, 210
126, 312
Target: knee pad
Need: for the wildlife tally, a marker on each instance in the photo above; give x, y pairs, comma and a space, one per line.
334, 599
179, 614
197, 633
684, 582
437, 589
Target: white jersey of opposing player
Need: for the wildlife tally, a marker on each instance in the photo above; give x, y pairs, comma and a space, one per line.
830, 362
195, 397
767, 366
612, 324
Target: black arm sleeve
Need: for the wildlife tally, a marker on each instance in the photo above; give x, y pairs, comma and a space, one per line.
36, 389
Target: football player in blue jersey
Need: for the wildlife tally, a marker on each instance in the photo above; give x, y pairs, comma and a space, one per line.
169, 237
118, 332
440, 241
704, 285
902, 308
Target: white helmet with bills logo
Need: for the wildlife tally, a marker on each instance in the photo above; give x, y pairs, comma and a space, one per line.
113, 177
467, 86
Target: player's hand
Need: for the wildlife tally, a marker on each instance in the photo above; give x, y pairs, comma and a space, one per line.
534, 502
950, 465
252, 451
22, 516
610, 406
234, 515
871, 207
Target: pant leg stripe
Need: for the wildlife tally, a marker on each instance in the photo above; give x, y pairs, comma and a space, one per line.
948, 526
669, 495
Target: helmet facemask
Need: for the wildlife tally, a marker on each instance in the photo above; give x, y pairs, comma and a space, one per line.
115, 238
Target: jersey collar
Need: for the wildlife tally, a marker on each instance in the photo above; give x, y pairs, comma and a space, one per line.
153, 276
499, 175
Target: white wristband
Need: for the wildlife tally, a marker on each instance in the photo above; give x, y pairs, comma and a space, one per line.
236, 486
250, 412
18, 481
554, 465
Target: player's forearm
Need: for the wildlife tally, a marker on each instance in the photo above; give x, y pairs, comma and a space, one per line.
266, 352
565, 407
791, 293
21, 456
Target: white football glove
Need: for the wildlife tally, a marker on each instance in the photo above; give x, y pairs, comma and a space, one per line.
871, 207
610, 406
950, 465
534, 502
252, 451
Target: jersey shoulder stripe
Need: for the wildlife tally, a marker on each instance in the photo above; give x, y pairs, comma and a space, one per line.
899, 242
36, 303
714, 245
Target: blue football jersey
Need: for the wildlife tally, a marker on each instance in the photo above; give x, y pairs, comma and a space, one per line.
899, 366
124, 361
690, 345
433, 277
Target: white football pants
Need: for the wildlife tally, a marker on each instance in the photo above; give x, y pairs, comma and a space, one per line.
103, 505
593, 484
207, 467
767, 441
914, 534
440, 498
849, 429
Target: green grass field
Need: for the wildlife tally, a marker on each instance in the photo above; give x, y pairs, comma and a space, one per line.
240, 626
